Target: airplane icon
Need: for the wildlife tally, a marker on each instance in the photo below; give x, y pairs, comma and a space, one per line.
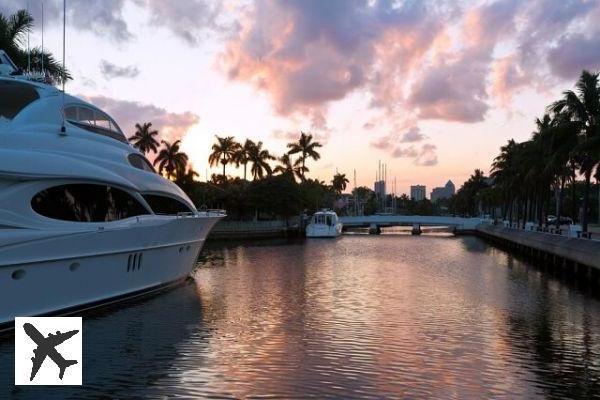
46, 347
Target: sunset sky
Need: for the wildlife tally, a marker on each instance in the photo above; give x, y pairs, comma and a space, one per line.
432, 88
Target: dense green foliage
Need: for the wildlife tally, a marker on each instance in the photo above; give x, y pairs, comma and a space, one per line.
13, 39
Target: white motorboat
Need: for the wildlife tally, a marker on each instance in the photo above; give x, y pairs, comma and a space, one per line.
324, 224
84, 218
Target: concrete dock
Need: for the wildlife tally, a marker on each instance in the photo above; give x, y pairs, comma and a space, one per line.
553, 248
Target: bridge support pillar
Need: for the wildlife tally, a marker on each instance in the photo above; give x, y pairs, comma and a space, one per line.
374, 229
416, 229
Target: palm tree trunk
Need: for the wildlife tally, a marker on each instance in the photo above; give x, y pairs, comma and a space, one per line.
245, 165
561, 197
303, 161
224, 179
586, 199
573, 199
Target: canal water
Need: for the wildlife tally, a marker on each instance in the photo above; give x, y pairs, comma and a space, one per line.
390, 316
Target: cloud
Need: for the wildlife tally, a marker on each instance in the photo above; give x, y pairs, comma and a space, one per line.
188, 20
368, 125
172, 126
400, 152
321, 136
425, 156
573, 53
412, 135
440, 60
309, 53
110, 70
390, 141
104, 18
394, 144
285, 135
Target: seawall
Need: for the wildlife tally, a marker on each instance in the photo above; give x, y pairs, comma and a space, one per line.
553, 248
237, 230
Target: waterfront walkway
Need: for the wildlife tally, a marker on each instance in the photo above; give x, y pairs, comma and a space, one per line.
548, 246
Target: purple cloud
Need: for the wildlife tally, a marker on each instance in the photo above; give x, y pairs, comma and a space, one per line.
110, 70
171, 126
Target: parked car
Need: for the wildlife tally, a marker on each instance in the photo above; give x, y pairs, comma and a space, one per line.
551, 220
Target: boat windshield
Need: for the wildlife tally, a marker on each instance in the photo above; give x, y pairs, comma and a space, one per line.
14, 97
93, 120
323, 219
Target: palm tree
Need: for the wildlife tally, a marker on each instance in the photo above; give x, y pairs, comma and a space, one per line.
224, 152
143, 139
307, 149
339, 183
13, 33
243, 153
583, 108
286, 167
259, 158
170, 159
185, 178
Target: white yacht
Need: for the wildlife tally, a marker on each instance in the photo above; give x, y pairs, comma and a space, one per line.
324, 224
84, 218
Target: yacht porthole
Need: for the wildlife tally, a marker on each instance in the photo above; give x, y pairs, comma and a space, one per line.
187, 248
74, 267
18, 274
181, 249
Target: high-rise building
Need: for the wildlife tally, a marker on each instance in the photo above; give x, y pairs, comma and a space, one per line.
445, 192
380, 189
417, 192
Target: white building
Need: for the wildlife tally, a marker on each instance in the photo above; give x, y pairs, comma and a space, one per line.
417, 192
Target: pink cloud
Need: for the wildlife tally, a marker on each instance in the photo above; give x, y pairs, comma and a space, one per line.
171, 126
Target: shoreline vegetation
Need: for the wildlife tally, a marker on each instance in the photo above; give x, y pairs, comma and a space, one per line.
549, 174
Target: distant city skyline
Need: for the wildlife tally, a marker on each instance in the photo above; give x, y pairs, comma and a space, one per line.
431, 88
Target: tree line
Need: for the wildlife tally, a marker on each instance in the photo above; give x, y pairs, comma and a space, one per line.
558, 161
274, 191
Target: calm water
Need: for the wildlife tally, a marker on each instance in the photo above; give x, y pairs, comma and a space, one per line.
392, 316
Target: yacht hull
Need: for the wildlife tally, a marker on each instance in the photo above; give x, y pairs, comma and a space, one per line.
97, 267
323, 231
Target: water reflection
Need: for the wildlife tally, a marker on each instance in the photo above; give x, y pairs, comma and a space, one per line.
359, 317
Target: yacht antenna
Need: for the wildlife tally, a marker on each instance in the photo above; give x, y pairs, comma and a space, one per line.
28, 48
63, 128
43, 73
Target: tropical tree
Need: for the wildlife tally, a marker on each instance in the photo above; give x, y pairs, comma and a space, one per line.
144, 138
339, 183
583, 109
224, 152
259, 158
242, 154
170, 159
306, 147
13, 35
286, 167
186, 179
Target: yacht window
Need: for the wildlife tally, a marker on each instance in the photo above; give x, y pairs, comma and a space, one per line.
140, 162
94, 121
14, 97
86, 203
163, 205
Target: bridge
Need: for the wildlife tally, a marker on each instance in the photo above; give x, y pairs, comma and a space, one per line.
376, 222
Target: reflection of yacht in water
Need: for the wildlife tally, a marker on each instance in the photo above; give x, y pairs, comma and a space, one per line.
84, 218
324, 224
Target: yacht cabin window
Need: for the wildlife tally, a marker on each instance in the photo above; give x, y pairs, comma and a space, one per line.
14, 97
86, 203
94, 121
163, 205
140, 162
